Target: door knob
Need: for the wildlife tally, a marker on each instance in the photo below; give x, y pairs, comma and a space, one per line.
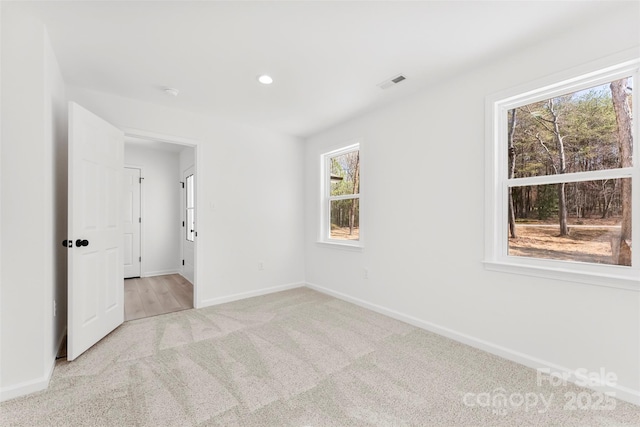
81, 242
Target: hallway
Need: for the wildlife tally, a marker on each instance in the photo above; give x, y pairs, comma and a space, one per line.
150, 296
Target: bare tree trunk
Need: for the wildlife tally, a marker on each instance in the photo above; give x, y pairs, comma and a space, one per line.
562, 209
607, 202
512, 169
621, 106
562, 199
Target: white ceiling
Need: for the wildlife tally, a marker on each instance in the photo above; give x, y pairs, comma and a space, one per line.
326, 57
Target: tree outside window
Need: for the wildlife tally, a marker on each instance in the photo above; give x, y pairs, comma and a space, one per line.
341, 221
569, 190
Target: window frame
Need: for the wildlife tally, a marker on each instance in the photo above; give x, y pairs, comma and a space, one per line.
497, 181
327, 198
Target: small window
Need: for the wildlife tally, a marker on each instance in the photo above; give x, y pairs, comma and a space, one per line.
341, 196
560, 194
190, 207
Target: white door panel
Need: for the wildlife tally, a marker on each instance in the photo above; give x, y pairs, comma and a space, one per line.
95, 279
131, 222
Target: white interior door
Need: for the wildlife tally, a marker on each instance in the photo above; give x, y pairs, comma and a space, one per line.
190, 233
95, 267
132, 222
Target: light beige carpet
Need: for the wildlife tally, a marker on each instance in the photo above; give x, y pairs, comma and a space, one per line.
294, 358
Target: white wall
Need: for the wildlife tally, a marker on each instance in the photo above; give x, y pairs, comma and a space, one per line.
187, 159
249, 189
33, 183
249, 196
56, 143
422, 223
160, 207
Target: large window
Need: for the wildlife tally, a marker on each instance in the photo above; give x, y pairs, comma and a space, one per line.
341, 196
560, 194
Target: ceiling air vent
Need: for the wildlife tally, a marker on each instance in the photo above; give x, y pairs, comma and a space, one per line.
392, 81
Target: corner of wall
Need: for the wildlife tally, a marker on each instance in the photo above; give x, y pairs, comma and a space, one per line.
32, 130
56, 139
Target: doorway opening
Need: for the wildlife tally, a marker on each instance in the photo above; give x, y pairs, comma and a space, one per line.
151, 296
155, 278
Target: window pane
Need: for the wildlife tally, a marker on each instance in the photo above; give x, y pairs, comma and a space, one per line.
345, 174
597, 215
575, 132
345, 219
190, 192
190, 214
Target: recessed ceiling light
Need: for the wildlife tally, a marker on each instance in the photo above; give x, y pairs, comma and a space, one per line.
171, 91
265, 79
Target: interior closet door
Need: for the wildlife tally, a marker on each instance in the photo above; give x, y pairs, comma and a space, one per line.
95, 267
132, 222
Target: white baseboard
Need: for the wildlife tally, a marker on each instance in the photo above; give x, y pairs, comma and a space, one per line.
249, 294
619, 392
159, 273
34, 385
28, 387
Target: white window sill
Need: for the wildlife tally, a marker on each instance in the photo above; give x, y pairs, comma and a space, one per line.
339, 245
627, 280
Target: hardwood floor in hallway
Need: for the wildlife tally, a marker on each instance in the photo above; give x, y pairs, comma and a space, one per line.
150, 296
